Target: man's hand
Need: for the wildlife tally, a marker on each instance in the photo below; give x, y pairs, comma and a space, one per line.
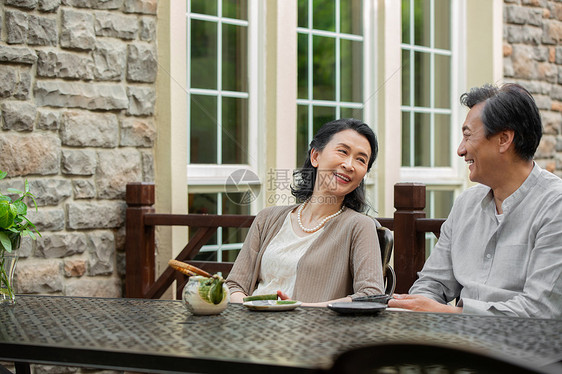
421, 304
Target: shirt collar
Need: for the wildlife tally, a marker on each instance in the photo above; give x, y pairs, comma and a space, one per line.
516, 197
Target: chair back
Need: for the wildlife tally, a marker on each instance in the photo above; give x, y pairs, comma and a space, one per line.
413, 357
386, 243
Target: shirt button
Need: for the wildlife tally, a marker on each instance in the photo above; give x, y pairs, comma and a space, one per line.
488, 256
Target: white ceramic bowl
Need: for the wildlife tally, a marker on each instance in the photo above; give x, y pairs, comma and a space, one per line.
196, 301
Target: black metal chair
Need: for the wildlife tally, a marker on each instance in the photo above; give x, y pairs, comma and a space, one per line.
386, 242
429, 358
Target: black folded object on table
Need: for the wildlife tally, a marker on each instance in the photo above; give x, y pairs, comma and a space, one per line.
383, 299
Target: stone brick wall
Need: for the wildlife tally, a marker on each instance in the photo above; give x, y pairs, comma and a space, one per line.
533, 58
77, 96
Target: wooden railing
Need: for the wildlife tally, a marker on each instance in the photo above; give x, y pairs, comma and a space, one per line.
409, 225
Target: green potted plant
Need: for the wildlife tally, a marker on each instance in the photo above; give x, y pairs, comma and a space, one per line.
14, 224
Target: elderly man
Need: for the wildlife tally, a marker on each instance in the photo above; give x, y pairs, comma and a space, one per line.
500, 249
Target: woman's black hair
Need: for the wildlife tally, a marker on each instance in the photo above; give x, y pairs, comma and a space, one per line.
509, 107
305, 177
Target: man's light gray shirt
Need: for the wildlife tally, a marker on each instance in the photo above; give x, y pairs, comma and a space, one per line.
511, 266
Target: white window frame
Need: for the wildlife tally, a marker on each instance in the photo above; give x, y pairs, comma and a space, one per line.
337, 35
440, 177
213, 178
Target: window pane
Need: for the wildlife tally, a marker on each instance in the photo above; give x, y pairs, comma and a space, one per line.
442, 203
324, 15
442, 140
230, 205
324, 68
203, 204
423, 79
237, 9
203, 54
442, 81
321, 115
234, 130
422, 139
350, 15
302, 13
234, 58
203, 137
351, 71
302, 72
422, 22
442, 24
352, 113
204, 7
406, 135
406, 66
406, 21
302, 134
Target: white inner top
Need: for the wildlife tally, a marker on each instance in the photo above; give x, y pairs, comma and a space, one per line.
281, 258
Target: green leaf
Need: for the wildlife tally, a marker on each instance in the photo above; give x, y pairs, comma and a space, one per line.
21, 207
5, 242
7, 214
3, 174
14, 191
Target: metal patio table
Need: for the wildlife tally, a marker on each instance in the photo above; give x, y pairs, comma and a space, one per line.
161, 336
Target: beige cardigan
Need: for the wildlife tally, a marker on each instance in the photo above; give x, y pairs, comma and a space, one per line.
343, 261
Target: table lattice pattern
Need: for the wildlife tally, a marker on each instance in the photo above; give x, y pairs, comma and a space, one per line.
308, 338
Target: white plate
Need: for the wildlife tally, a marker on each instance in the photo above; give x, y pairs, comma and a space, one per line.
271, 305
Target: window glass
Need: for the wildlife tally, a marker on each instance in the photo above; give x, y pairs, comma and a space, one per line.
351, 113
204, 7
218, 82
406, 136
302, 14
203, 136
348, 19
329, 65
438, 205
302, 134
324, 15
203, 54
426, 83
406, 23
351, 71
237, 9
442, 81
422, 131
321, 115
234, 58
225, 244
406, 85
442, 24
442, 140
234, 133
302, 66
422, 79
422, 22
323, 68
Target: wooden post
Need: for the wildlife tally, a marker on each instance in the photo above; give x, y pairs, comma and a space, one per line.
139, 240
409, 245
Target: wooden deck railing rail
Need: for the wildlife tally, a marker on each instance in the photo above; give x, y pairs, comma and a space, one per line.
409, 225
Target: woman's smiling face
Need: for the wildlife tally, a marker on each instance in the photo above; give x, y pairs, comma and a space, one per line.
342, 164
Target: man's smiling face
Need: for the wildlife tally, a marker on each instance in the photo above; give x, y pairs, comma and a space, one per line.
479, 152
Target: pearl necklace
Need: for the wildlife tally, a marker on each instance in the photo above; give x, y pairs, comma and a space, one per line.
318, 226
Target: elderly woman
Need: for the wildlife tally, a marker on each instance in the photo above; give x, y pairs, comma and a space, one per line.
324, 249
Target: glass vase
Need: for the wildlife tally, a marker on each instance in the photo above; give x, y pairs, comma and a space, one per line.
8, 262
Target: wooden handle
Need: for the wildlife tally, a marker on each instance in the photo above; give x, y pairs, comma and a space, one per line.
187, 269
